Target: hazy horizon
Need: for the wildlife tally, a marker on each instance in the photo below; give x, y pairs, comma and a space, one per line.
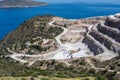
88, 1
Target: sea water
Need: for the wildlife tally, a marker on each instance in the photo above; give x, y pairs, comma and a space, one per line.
11, 18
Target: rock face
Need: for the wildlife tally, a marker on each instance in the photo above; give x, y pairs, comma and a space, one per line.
107, 34
19, 3
115, 34
114, 23
92, 45
109, 44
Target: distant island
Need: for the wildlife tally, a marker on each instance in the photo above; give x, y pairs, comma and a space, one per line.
20, 3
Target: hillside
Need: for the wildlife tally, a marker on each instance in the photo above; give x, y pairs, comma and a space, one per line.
58, 47
31, 34
19, 3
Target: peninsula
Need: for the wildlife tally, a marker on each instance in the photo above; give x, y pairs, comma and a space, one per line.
88, 49
20, 3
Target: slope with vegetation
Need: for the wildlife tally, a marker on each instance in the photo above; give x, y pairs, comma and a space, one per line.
35, 36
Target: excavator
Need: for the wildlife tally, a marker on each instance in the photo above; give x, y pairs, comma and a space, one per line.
71, 52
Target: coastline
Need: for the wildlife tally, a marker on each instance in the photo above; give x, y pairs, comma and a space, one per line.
56, 16
105, 16
23, 6
49, 8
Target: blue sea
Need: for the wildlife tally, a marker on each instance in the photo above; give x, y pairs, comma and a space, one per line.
10, 18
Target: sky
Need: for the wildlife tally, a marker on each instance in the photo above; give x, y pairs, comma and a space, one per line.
101, 1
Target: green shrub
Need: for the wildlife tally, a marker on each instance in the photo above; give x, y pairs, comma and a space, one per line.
32, 78
23, 79
44, 79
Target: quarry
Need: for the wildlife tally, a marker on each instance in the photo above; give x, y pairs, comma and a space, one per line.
97, 37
